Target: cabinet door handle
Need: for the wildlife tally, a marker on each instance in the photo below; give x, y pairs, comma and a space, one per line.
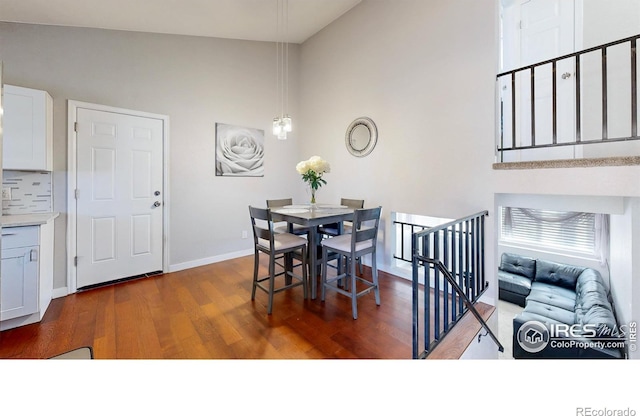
33, 255
8, 234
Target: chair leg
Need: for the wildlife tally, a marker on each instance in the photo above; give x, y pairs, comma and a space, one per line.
360, 265
323, 276
305, 277
256, 261
354, 289
374, 275
272, 272
343, 269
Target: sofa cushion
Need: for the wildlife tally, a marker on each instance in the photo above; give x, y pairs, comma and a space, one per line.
563, 275
593, 305
550, 312
546, 287
514, 283
553, 295
591, 287
588, 297
523, 266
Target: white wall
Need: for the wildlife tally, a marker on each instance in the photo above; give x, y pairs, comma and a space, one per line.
604, 22
625, 264
622, 262
483, 347
635, 276
423, 71
196, 82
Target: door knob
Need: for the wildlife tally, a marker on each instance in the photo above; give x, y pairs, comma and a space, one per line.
566, 75
156, 204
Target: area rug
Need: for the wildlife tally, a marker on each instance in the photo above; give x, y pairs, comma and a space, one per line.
83, 353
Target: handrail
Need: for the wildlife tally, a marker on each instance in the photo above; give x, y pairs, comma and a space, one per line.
467, 302
451, 223
570, 55
454, 250
577, 139
400, 235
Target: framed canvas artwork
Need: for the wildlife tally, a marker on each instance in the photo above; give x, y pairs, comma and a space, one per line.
239, 151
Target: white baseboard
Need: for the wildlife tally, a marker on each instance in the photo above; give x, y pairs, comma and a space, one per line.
64, 291
60, 292
209, 260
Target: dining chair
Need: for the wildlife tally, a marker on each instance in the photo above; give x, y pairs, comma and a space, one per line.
332, 230
277, 246
361, 241
283, 227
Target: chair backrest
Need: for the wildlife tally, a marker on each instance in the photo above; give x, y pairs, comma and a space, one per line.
352, 203
261, 230
366, 232
275, 203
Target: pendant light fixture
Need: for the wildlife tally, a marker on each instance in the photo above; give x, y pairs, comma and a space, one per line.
282, 123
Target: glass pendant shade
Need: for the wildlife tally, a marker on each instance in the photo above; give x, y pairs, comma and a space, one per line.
286, 123
282, 123
277, 128
281, 126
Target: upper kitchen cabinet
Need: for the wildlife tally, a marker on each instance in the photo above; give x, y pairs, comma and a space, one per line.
28, 129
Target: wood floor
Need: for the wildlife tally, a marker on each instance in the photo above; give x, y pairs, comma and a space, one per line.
207, 313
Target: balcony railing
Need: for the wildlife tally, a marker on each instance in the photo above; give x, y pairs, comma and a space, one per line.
451, 259
403, 233
523, 80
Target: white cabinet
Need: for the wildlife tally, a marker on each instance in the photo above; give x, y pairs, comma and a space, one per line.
28, 129
26, 283
19, 264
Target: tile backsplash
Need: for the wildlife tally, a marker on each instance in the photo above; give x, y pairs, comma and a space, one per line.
30, 192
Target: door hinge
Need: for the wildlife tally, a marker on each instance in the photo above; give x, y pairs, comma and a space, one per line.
75, 126
77, 193
75, 261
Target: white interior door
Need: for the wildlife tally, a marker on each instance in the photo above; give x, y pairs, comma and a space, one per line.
536, 31
119, 214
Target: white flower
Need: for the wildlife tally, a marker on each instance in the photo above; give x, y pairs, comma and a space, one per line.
318, 165
302, 167
312, 171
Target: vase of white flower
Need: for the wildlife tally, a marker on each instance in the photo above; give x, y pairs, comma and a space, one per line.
312, 171
312, 198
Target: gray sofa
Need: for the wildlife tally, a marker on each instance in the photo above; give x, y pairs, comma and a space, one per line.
561, 297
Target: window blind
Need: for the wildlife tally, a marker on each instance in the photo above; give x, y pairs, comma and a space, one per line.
568, 231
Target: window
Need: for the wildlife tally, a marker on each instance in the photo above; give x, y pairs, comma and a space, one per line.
572, 232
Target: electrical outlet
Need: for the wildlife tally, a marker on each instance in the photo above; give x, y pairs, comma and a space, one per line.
6, 194
244, 234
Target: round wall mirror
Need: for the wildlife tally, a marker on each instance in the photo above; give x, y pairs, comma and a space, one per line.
361, 137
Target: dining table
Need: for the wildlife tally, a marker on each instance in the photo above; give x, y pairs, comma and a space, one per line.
313, 217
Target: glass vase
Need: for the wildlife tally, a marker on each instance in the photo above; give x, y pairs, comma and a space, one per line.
313, 205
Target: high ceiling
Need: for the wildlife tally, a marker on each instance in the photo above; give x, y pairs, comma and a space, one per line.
233, 19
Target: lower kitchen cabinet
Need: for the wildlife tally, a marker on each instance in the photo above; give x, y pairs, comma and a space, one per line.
26, 278
19, 291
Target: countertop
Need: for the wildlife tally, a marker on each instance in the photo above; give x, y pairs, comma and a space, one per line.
23, 220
